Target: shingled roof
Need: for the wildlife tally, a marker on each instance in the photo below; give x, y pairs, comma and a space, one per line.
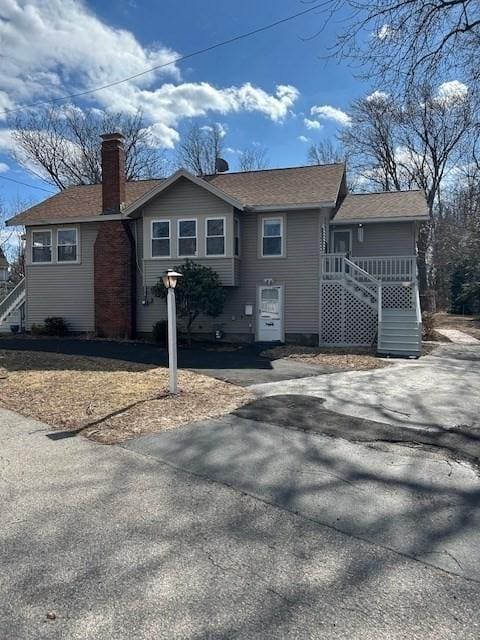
295, 186
390, 205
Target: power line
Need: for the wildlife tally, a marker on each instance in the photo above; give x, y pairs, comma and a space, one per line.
187, 56
24, 184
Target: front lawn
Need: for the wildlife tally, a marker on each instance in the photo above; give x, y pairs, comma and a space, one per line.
108, 400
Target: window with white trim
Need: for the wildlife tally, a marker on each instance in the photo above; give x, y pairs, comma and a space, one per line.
41, 246
215, 236
67, 245
272, 237
160, 238
236, 238
187, 238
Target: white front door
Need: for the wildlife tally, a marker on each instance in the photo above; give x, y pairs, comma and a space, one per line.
269, 314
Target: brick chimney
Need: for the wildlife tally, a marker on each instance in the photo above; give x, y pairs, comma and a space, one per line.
114, 272
113, 172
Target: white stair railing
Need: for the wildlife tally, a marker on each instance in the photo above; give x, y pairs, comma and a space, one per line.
13, 300
389, 268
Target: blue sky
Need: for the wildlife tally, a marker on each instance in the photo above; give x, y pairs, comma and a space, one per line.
261, 89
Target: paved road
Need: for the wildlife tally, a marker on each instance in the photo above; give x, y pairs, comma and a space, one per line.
120, 545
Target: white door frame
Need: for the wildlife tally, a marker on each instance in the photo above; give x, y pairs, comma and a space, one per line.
282, 309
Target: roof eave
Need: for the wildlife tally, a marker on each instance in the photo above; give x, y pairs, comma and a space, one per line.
44, 221
414, 218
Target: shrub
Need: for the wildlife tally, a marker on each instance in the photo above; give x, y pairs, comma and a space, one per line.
37, 330
159, 332
428, 326
56, 327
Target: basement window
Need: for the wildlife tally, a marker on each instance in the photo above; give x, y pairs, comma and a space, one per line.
67, 245
41, 246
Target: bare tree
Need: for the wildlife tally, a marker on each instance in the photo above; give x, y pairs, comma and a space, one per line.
325, 152
62, 145
410, 40
200, 148
253, 158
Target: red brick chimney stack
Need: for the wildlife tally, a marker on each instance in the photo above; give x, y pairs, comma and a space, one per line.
113, 250
113, 172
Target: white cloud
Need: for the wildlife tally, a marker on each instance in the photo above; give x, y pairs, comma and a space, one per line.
4, 167
58, 46
6, 140
331, 113
312, 124
378, 96
385, 32
222, 129
233, 151
452, 91
303, 139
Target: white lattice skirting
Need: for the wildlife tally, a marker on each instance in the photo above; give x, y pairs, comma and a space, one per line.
346, 321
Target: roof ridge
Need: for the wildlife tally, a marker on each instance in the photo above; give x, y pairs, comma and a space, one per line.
382, 193
303, 166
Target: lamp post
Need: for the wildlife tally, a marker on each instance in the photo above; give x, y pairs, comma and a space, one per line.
170, 282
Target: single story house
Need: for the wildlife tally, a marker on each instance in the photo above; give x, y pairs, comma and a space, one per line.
301, 259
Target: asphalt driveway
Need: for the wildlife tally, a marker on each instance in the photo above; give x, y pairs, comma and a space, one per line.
243, 365
105, 542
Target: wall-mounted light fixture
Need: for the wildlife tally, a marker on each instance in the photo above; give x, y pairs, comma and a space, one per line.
360, 232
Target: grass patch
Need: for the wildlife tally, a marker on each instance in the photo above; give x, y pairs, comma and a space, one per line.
467, 324
108, 400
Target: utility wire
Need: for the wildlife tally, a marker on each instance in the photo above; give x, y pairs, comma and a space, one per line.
24, 184
187, 56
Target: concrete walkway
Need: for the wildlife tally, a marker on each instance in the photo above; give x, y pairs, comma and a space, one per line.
116, 544
458, 337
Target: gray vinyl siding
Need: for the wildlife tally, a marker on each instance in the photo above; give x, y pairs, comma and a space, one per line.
185, 200
64, 290
381, 239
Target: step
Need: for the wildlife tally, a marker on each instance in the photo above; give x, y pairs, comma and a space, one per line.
398, 346
399, 312
399, 334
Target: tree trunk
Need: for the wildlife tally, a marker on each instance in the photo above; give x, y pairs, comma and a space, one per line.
427, 295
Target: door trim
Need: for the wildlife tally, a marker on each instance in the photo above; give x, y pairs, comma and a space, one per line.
349, 231
282, 310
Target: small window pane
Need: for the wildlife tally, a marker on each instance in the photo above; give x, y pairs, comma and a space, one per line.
67, 253
214, 227
42, 254
67, 236
272, 228
161, 229
160, 247
215, 246
272, 246
187, 246
187, 228
237, 237
41, 246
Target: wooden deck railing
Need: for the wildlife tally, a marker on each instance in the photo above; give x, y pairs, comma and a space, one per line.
384, 268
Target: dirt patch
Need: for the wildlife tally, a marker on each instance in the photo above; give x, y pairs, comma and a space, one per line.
467, 324
108, 400
340, 359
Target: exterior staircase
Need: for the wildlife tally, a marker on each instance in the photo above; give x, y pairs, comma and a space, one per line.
399, 333
11, 307
390, 303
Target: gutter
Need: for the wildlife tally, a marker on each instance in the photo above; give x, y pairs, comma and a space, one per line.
288, 207
372, 220
45, 221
